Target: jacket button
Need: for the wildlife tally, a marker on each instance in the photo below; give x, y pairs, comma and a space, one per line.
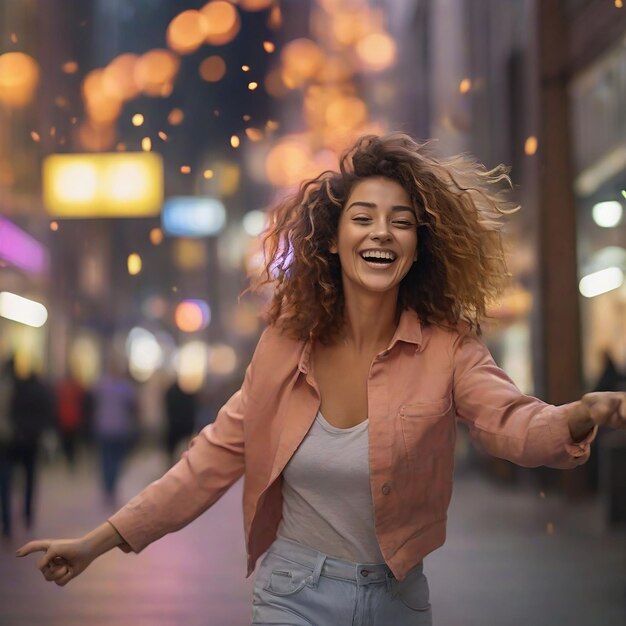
386, 489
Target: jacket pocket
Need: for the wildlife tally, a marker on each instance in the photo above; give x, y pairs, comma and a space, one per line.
429, 410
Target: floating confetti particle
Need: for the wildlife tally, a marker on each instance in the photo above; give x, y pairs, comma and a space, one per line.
216, 113
269, 47
550, 528
62, 141
175, 117
253, 85
54, 226
624, 193
13, 38
73, 120
542, 495
254, 134
174, 288
619, 4
271, 125
234, 141
156, 236
208, 174
146, 144
70, 67
137, 119
185, 169
61, 102
34, 136
465, 85
53, 131
530, 146
120, 147
245, 68
247, 118
162, 135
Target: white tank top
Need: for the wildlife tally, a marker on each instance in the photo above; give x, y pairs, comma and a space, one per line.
327, 501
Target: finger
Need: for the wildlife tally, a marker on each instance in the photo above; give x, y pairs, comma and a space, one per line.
46, 559
59, 572
65, 579
33, 546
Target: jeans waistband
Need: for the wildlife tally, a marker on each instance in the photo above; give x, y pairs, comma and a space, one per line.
322, 564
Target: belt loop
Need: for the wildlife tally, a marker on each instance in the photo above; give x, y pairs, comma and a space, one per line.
317, 572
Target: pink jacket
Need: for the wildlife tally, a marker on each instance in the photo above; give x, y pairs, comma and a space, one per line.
416, 388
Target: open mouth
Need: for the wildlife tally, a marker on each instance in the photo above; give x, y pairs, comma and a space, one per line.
378, 257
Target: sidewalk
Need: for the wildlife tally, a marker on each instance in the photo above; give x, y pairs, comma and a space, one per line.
512, 558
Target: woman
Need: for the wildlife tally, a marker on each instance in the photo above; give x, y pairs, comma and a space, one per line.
345, 423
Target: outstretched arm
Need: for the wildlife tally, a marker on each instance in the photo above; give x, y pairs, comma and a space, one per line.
64, 559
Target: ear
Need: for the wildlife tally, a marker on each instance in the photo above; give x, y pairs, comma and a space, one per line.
333, 248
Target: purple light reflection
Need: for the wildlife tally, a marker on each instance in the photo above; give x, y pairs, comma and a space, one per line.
20, 249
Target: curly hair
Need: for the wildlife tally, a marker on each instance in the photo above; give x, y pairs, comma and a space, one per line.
460, 269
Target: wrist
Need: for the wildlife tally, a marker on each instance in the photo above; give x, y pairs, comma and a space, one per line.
579, 421
102, 539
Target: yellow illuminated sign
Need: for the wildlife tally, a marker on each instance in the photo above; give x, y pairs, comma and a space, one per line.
103, 185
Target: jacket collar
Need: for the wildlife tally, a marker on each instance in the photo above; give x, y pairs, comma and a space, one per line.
409, 330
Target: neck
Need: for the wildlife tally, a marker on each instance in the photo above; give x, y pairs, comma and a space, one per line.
370, 320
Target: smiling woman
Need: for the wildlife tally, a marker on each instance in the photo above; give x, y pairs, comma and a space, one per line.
344, 426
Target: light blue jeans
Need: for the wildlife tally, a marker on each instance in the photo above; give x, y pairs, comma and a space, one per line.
298, 586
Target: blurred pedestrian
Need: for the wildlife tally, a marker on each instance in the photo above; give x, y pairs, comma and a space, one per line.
7, 385
114, 425
31, 414
344, 426
70, 414
180, 408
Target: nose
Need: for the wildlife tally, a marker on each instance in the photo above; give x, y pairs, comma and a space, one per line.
380, 233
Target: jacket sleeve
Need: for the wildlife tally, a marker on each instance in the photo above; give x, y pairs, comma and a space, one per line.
503, 421
211, 464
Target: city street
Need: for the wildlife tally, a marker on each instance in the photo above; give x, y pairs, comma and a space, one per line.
512, 558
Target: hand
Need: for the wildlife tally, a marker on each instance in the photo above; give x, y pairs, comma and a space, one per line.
63, 560
606, 408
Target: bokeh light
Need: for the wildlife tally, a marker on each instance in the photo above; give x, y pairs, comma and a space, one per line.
187, 31
155, 71
376, 51
192, 315
19, 77
223, 22
134, 264
212, 69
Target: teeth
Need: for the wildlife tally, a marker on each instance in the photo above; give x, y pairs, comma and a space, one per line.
378, 254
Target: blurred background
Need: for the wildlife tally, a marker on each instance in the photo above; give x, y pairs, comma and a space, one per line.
141, 143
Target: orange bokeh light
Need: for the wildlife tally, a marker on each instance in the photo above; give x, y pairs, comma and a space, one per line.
175, 117
302, 59
287, 162
190, 317
118, 79
19, 77
187, 31
223, 22
212, 69
377, 51
155, 71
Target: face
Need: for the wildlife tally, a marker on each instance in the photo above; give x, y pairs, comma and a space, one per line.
377, 236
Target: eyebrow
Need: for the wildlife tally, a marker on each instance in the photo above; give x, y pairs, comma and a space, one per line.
373, 205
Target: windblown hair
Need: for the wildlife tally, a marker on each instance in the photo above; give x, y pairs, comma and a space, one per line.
460, 264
